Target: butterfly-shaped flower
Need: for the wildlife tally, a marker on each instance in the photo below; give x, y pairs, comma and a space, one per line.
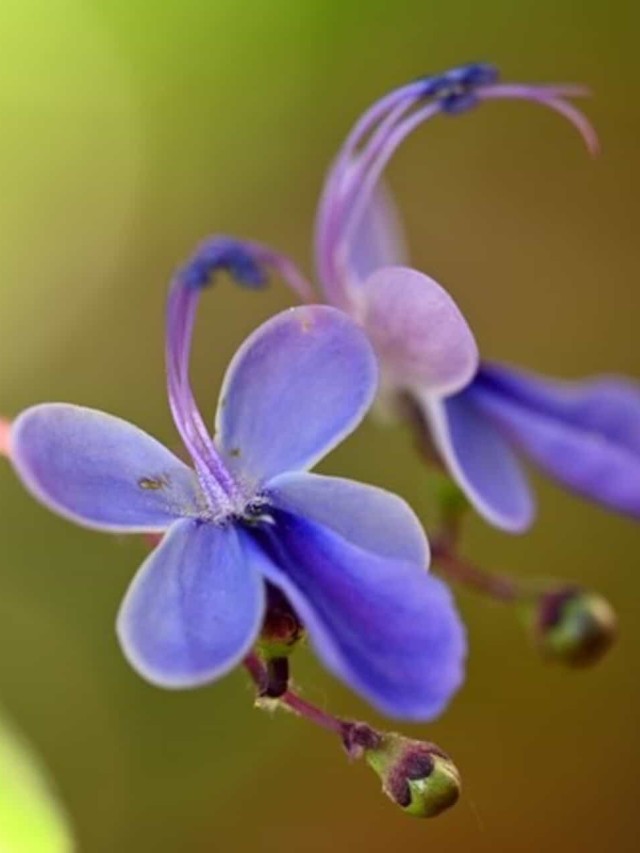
584, 434
350, 558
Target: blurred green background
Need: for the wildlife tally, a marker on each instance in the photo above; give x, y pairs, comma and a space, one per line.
130, 130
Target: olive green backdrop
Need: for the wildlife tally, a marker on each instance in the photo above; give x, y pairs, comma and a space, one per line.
131, 129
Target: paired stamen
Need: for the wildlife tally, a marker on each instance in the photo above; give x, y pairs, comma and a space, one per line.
377, 135
248, 264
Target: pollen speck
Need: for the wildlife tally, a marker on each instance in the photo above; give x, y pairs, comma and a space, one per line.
235, 452
154, 483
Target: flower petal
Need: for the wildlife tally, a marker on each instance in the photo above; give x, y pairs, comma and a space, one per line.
297, 386
386, 627
100, 471
371, 518
194, 609
418, 332
584, 434
480, 460
378, 240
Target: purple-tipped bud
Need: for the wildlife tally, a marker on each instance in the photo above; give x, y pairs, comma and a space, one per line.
573, 626
419, 777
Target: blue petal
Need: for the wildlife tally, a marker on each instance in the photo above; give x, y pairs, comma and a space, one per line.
584, 434
100, 471
194, 609
385, 627
297, 386
480, 460
371, 518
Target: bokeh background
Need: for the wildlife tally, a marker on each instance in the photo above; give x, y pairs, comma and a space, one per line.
130, 130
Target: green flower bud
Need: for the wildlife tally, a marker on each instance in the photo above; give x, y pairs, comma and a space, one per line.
573, 626
419, 777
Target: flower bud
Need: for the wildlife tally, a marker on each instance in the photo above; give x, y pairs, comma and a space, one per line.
573, 626
281, 629
419, 777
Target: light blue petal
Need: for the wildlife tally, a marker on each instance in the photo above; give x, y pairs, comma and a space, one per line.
481, 461
100, 471
385, 627
194, 609
418, 332
371, 518
297, 386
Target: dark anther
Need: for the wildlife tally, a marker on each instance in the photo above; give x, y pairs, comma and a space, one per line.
223, 254
455, 89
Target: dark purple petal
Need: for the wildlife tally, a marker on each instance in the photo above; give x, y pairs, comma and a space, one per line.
584, 434
296, 387
384, 626
371, 518
480, 460
194, 609
100, 471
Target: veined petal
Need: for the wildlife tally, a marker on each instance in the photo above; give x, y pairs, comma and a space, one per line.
584, 434
378, 240
100, 471
194, 609
386, 627
297, 386
371, 518
418, 331
480, 460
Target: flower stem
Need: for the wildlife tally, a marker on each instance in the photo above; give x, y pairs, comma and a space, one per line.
459, 570
355, 736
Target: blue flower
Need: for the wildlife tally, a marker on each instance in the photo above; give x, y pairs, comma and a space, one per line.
349, 557
584, 434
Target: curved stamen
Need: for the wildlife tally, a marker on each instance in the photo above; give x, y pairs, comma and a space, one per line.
377, 135
248, 264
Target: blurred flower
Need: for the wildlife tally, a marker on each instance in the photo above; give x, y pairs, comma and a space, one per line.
5, 434
32, 819
585, 434
350, 558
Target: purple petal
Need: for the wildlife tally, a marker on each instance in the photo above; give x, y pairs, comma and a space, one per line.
194, 609
378, 240
297, 386
481, 461
420, 335
385, 627
100, 471
371, 518
584, 434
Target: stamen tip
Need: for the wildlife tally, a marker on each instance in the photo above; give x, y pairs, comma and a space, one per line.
223, 253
